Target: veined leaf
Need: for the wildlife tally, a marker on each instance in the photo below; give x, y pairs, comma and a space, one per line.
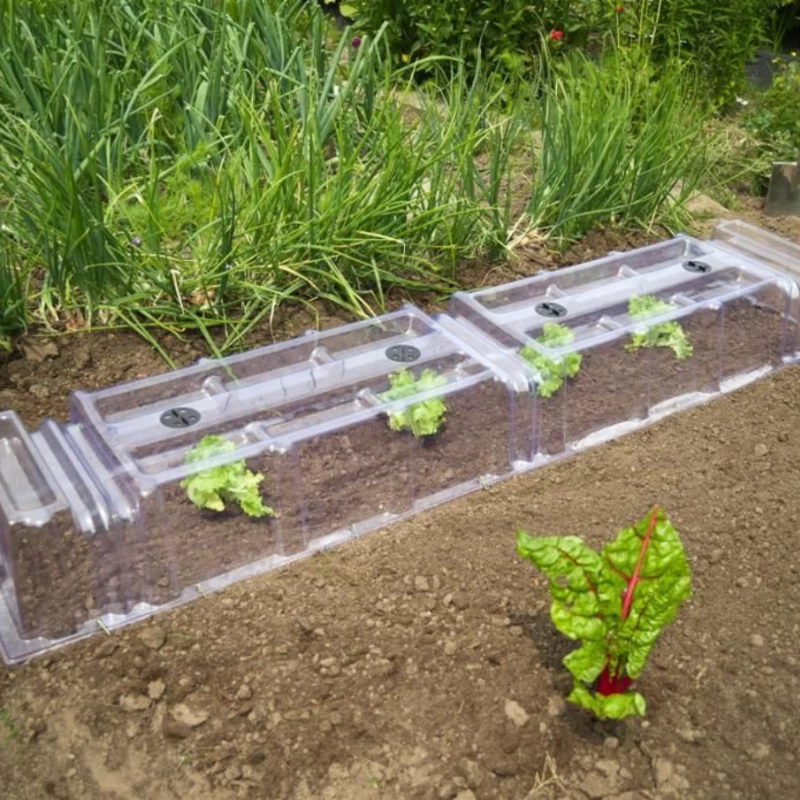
665, 334
552, 371
615, 706
615, 602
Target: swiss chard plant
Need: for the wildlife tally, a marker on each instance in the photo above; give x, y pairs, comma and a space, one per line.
665, 334
423, 418
233, 482
552, 371
616, 603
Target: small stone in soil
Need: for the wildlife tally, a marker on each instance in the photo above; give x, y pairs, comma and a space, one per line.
134, 702
516, 713
156, 689
689, 735
760, 450
757, 640
759, 752
244, 693
153, 637
556, 705
189, 717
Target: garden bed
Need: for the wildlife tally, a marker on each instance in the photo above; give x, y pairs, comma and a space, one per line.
170, 486
320, 428
615, 385
614, 342
388, 668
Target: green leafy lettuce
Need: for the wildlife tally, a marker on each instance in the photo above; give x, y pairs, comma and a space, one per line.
212, 488
665, 334
552, 371
424, 418
615, 602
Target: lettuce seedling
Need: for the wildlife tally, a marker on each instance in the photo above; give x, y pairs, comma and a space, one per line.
422, 419
616, 603
552, 370
212, 488
666, 334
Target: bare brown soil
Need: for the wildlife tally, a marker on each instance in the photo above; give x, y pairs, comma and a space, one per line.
390, 668
420, 662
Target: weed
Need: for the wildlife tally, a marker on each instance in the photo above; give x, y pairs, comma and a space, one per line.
13, 732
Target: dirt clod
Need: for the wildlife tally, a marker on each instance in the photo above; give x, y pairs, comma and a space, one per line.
134, 702
192, 718
153, 637
516, 713
156, 689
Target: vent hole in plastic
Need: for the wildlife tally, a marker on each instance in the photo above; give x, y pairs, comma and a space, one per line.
402, 353
549, 309
180, 417
696, 266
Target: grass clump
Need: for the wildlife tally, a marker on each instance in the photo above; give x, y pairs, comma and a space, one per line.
617, 139
198, 164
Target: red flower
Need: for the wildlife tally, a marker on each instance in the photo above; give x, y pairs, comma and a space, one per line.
556, 36
356, 42
619, 9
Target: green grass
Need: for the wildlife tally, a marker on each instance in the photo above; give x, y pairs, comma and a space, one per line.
10, 727
174, 164
196, 165
616, 139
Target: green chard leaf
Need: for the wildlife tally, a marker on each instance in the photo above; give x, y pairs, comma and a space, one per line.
212, 488
615, 706
615, 602
424, 418
665, 582
552, 371
665, 334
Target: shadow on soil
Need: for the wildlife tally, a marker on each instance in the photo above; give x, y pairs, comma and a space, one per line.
551, 648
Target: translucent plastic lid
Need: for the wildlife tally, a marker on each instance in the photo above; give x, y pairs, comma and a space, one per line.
277, 395
592, 300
